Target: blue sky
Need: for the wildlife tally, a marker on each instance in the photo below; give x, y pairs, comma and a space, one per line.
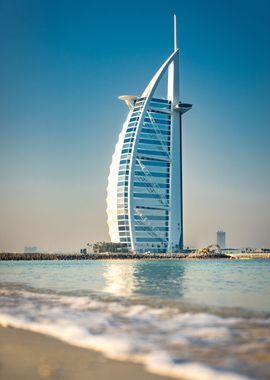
63, 64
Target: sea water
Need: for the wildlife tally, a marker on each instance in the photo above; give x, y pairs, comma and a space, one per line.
190, 319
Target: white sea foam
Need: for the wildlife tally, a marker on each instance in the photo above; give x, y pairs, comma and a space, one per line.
162, 364
155, 337
120, 348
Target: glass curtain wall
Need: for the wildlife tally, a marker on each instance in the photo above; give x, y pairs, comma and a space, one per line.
151, 178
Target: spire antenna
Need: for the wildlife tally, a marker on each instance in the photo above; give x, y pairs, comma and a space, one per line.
175, 33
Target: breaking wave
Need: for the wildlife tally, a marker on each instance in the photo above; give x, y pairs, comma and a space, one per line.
168, 341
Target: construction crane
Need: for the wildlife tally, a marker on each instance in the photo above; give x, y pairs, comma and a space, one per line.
213, 248
212, 251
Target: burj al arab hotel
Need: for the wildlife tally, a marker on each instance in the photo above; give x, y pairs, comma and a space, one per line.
144, 194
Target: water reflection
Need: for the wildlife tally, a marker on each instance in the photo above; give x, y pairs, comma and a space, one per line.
119, 278
148, 278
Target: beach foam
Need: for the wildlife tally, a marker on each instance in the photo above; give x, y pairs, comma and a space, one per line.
165, 340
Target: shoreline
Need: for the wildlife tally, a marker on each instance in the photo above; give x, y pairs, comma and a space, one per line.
28, 355
111, 256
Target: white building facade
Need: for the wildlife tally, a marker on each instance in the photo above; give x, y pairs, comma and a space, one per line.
144, 194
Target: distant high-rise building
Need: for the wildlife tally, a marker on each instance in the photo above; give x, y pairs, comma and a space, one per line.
221, 239
144, 195
30, 249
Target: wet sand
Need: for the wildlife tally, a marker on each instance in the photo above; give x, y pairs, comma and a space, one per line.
25, 355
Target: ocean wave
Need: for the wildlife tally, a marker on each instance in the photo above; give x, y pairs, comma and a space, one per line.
158, 362
169, 342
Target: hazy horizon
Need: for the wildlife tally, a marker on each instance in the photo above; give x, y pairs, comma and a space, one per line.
63, 65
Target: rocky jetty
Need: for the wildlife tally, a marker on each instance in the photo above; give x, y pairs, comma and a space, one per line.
90, 256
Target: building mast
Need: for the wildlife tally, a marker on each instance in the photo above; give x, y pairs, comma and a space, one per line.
173, 71
175, 33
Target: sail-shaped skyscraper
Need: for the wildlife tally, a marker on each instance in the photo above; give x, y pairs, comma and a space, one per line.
144, 194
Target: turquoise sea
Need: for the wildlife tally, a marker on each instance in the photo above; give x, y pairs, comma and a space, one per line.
199, 319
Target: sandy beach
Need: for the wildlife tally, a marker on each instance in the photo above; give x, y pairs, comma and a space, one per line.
25, 355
